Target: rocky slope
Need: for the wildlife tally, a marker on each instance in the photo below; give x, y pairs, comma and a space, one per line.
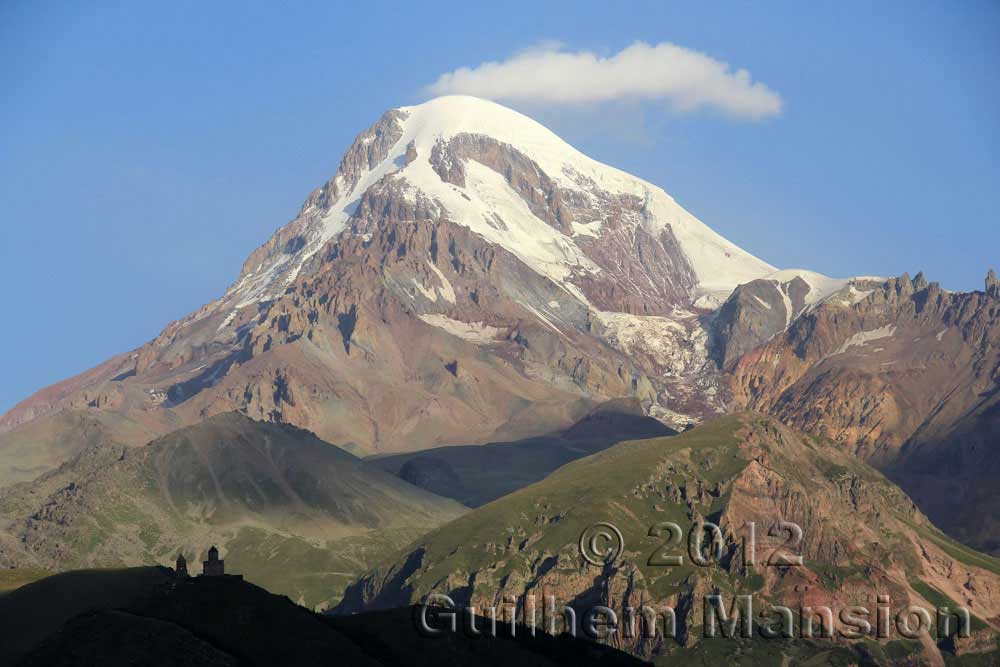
465, 276
907, 376
861, 536
289, 511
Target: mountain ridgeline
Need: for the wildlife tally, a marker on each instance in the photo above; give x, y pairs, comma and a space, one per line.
149, 616
905, 375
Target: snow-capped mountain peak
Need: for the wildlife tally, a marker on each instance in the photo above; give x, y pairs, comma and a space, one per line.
463, 263
517, 184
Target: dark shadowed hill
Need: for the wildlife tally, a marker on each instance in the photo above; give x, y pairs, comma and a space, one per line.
476, 474
146, 616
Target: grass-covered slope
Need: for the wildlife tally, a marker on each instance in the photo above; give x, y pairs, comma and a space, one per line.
291, 512
861, 536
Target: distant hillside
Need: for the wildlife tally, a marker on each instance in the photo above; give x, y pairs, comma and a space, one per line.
476, 474
289, 511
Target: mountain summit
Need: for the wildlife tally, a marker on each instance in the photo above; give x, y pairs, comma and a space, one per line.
515, 183
465, 276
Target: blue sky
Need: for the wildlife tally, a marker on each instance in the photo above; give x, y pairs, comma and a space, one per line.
146, 151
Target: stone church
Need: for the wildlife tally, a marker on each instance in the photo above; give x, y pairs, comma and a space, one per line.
213, 567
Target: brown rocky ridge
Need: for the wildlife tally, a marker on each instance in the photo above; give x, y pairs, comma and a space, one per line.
907, 376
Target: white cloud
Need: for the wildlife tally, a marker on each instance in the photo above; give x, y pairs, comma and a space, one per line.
547, 75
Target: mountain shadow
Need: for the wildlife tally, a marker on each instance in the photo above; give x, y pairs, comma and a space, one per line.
477, 474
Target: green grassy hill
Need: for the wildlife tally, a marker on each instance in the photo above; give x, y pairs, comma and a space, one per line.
289, 511
861, 536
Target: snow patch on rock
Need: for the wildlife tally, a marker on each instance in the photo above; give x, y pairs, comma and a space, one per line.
476, 332
864, 337
649, 334
446, 291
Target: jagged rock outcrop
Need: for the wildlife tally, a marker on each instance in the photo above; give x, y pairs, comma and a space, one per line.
761, 309
906, 376
755, 312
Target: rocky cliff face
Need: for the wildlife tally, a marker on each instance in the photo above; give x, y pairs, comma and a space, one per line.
759, 310
904, 374
753, 313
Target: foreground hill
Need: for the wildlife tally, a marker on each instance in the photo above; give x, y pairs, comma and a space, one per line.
861, 536
147, 616
289, 511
